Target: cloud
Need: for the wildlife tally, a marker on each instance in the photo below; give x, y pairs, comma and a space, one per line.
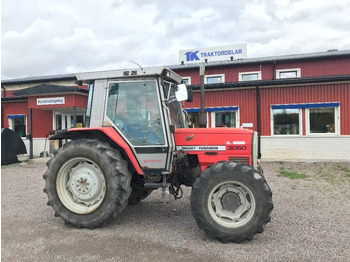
74, 36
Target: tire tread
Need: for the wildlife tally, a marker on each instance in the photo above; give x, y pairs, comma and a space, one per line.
212, 229
120, 179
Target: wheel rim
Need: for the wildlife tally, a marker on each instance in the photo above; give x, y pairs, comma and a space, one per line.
231, 204
81, 185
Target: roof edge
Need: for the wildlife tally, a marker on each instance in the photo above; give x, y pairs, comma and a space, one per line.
261, 83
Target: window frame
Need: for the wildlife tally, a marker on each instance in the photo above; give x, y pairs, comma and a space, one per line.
188, 78
297, 70
241, 74
216, 75
10, 119
272, 123
336, 122
214, 110
305, 115
197, 110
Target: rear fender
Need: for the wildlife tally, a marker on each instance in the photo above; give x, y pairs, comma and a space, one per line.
107, 134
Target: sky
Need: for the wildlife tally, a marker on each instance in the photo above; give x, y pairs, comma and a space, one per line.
49, 37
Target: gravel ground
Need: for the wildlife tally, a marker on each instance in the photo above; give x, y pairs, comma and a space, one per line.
310, 222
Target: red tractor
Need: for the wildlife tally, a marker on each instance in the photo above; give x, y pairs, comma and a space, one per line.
137, 140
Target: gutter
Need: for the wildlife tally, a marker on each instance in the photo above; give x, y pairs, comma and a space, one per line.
261, 83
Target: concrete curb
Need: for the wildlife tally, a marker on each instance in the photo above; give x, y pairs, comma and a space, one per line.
39, 160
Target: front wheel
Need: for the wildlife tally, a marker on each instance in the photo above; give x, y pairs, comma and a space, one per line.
231, 202
87, 183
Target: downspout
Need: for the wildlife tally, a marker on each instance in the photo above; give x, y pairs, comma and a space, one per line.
273, 70
74, 117
2, 110
258, 112
30, 135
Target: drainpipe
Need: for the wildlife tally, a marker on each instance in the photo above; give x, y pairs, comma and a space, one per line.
273, 70
258, 120
30, 135
2, 117
2, 111
74, 117
4, 91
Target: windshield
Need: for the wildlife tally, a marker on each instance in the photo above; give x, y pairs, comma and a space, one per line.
173, 105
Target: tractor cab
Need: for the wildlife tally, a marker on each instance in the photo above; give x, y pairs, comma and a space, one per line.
143, 106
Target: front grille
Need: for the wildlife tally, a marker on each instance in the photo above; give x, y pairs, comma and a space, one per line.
244, 160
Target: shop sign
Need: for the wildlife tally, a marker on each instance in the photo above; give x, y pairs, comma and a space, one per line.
211, 54
50, 101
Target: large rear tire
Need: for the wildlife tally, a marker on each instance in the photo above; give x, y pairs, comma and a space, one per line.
87, 183
231, 202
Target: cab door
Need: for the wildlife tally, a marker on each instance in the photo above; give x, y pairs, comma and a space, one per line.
134, 108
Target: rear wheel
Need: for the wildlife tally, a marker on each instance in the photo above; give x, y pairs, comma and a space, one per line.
87, 183
231, 202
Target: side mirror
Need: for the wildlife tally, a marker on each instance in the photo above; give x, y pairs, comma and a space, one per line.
181, 93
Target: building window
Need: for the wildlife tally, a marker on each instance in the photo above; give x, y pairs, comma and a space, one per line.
224, 116
79, 123
220, 116
193, 116
288, 73
193, 119
214, 79
17, 123
186, 80
225, 119
249, 76
322, 120
286, 121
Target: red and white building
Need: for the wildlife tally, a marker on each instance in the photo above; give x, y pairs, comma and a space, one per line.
300, 104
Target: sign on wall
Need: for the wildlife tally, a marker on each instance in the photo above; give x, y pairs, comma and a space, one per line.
50, 101
211, 54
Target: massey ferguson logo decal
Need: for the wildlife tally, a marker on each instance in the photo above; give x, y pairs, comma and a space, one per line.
201, 148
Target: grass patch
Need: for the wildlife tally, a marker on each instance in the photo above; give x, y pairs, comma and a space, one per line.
291, 174
8, 166
343, 168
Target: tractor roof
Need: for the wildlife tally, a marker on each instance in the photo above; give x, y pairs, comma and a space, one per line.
128, 73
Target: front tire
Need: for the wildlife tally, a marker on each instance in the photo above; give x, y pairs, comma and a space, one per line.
87, 183
231, 202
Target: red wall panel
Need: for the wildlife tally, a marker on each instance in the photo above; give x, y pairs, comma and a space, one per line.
339, 66
70, 101
245, 99
42, 119
13, 108
42, 122
324, 67
306, 94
